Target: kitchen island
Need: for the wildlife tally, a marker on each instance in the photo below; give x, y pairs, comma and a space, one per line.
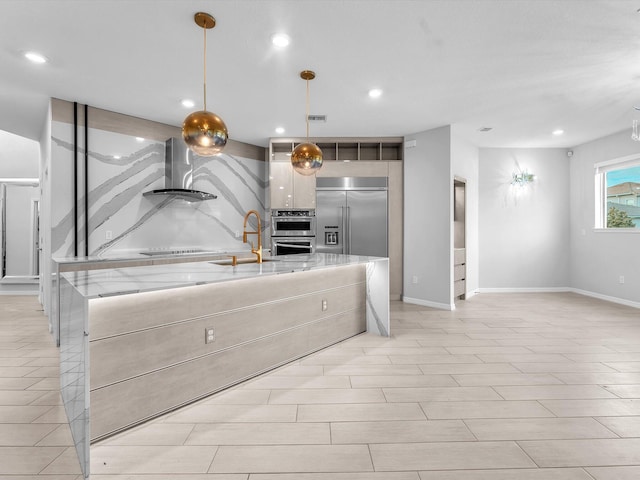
114, 260
138, 342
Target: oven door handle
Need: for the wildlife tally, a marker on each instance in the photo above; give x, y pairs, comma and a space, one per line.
290, 245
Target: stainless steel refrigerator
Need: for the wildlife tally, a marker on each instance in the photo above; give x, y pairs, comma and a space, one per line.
351, 215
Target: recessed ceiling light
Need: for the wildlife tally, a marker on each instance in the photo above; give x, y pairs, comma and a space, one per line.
280, 40
279, 130
139, 139
557, 132
375, 92
35, 57
188, 103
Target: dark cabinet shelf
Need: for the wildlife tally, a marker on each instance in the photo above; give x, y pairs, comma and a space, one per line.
345, 149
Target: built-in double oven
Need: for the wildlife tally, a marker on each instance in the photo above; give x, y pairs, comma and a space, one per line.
293, 230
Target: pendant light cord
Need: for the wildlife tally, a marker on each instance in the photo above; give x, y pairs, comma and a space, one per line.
205, 68
307, 116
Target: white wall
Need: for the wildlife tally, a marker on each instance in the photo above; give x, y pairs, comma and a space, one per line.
464, 164
599, 258
19, 156
427, 218
524, 231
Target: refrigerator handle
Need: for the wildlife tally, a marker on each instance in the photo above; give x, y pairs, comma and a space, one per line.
343, 241
348, 231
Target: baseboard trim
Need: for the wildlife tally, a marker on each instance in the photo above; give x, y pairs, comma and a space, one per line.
586, 293
525, 290
19, 292
426, 303
599, 296
470, 294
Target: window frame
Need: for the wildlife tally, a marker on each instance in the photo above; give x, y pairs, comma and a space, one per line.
600, 175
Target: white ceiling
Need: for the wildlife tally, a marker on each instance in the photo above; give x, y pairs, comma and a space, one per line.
523, 67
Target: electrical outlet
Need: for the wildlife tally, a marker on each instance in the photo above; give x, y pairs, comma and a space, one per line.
325, 305
238, 234
209, 335
414, 280
108, 234
621, 279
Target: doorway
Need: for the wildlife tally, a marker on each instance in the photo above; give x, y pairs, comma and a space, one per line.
459, 239
19, 227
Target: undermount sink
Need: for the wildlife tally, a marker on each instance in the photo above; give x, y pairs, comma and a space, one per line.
242, 261
182, 251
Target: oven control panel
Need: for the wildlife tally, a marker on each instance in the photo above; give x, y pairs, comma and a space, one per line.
293, 212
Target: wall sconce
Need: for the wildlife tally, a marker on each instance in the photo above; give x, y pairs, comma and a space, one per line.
523, 178
634, 129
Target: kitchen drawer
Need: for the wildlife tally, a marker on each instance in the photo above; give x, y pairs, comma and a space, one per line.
459, 288
459, 272
458, 256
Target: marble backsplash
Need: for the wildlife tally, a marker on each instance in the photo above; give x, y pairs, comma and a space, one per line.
122, 220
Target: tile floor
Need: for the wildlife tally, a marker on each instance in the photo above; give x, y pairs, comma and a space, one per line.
508, 386
33, 426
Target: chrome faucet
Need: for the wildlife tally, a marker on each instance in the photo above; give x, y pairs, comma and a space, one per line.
257, 251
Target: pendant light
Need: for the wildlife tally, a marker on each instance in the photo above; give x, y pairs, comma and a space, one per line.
306, 158
204, 132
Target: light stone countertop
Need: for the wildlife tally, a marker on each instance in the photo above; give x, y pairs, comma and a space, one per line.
121, 281
136, 255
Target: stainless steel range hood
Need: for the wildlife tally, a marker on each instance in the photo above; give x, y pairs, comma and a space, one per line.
178, 174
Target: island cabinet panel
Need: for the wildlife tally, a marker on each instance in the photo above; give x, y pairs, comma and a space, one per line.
151, 349
140, 370
129, 313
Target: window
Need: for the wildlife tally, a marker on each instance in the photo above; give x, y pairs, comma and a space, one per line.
618, 193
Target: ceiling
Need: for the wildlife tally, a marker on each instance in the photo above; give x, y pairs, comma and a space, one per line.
522, 67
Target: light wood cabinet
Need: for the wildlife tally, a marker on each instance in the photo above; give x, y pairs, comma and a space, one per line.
281, 184
291, 190
344, 149
304, 190
345, 157
154, 358
459, 240
459, 273
396, 228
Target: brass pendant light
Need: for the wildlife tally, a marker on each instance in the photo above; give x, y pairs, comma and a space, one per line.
306, 158
204, 132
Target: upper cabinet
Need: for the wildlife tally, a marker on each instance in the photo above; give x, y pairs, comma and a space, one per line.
289, 189
292, 190
281, 184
